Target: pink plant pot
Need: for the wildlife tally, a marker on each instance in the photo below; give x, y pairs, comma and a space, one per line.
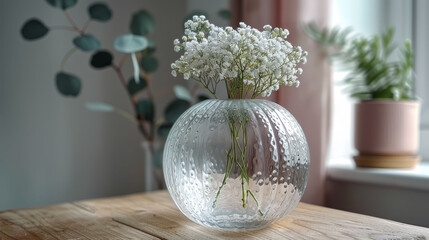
387, 127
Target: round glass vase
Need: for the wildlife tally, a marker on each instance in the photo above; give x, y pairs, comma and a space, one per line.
236, 164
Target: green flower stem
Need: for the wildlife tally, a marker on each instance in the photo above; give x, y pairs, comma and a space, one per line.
229, 166
257, 204
235, 152
242, 192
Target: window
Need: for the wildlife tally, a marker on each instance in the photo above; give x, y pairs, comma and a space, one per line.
369, 17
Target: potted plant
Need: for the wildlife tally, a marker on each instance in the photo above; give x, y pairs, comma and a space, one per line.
387, 112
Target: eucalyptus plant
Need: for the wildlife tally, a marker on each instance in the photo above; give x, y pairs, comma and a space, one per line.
374, 72
135, 46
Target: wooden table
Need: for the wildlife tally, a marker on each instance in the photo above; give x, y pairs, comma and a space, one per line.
154, 216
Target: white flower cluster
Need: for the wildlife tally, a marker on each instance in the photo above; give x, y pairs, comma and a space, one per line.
249, 61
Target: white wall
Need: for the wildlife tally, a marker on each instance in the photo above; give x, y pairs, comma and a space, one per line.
51, 148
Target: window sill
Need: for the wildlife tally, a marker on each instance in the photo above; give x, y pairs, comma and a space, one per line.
345, 170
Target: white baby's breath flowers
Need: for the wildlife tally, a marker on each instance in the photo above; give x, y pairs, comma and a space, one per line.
250, 62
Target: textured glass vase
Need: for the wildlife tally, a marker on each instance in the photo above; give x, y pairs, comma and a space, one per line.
236, 164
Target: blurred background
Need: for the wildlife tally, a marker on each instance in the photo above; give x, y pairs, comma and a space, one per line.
56, 148
52, 148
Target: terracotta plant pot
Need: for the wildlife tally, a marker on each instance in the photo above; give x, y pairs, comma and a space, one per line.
387, 127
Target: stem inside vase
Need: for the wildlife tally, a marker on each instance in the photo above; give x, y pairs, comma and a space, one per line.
236, 155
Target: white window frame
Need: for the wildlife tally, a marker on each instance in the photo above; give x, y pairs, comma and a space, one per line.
421, 50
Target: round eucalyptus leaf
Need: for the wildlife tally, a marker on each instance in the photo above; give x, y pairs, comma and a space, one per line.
101, 59
157, 158
146, 109
182, 93
134, 87
142, 23
129, 43
164, 129
195, 13
100, 12
175, 109
34, 29
202, 97
63, 4
86, 42
99, 107
68, 84
149, 64
224, 14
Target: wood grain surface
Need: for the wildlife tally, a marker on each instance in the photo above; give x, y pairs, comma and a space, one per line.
154, 216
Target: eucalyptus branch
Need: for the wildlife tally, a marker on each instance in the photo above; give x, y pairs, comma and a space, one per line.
85, 26
146, 135
67, 28
71, 21
66, 57
126, 115
123, 60
147, 76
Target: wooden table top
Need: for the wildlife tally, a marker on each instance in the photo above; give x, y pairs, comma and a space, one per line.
154, 216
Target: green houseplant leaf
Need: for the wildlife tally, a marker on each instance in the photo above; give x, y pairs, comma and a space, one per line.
164, 129
63, 4
175, 109
373, 74
34, 29
149, 64
182, 93
201, 98
225, 14
101, 59
86, 43
99, 107
142, 23
146, 109
100, 12
136, 86
129, 43
68, 84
